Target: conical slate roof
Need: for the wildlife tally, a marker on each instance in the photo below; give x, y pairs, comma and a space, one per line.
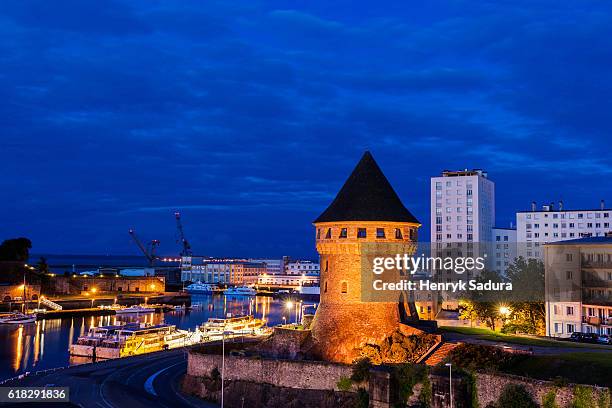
367, 195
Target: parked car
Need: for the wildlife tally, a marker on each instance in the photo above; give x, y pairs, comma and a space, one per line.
604, 339
576, 336
584, 337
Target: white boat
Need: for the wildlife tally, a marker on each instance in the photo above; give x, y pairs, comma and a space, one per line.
18, 318
215, 327
202, 288
240, 291
135, 309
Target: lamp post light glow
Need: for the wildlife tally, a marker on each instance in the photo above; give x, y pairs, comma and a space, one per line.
504, 310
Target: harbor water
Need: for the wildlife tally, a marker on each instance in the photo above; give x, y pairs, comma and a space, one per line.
44, 344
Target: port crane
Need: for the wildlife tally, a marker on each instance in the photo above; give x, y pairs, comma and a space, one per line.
149, 250
186, 251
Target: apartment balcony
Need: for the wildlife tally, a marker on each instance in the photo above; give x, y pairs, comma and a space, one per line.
596, 320
595, 264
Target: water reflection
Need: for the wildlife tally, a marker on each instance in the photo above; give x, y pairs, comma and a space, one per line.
45, 344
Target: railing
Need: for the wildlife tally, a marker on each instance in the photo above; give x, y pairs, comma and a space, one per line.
50, 304
596, 320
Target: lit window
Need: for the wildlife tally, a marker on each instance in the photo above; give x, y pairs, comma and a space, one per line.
380, 232
343, 233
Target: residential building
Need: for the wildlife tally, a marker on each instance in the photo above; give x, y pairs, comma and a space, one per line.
462, 220
504, 248
536, 227
288, 281
578, 282
462, 207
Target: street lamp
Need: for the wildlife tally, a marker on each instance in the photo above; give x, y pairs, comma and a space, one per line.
450, 382
223, 363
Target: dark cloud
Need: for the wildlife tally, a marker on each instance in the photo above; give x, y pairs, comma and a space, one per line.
249, 116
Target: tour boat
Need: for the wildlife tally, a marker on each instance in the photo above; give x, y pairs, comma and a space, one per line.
107, 342
202, 288
18, 318
215, 327
240, 291
145, 339
135, 309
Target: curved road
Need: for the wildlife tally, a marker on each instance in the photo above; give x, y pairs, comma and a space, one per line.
150, 381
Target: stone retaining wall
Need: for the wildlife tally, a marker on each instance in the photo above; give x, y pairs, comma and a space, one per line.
315, 375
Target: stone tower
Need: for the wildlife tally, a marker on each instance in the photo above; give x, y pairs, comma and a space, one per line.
365, 220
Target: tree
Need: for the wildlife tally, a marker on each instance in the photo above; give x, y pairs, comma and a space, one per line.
527, 298
43, 266
482, 305
15, 250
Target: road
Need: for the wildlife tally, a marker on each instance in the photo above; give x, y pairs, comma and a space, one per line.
150, 381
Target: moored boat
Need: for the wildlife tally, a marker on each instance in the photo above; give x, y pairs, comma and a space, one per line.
240, 291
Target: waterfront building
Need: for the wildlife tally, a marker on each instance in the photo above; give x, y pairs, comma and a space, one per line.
536, 227
99, 284
302, 268
288, 281
221, 271
504, 248
578, 282
366, 220
273, 266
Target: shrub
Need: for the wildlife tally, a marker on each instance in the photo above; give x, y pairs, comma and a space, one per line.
476, 356
426, 393
363, 398
361, 370
407, 375
344, 384
548, 400
604, 399
515, 396
583, 397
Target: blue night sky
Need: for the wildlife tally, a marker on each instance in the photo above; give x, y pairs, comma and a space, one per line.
248, 116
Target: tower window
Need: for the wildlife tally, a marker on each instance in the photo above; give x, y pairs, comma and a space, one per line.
325, 290
344, 287
328, 235
412, 234
343, 233
318, 233
326, 266
380, 232
361, 233
398, 234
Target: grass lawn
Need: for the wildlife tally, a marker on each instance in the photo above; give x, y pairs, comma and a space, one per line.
488, 334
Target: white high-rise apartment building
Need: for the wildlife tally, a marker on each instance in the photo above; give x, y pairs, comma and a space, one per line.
462, 207
504, 248
550, 224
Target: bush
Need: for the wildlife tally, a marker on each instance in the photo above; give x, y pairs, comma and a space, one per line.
548, 400
583, 397
604, 399
363, 398
361, 370
515, 396
478, 357
407, 375
344, 384
426, 393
